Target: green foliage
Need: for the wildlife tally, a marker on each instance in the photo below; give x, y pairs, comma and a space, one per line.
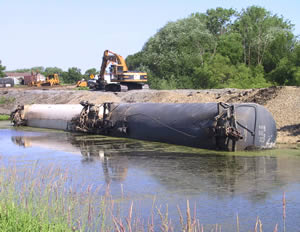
89, 72
245, 77
221, 48
2, 68
218, 20
285, 73
53, 70
72, 76
4, 117
230, 45
14, 218
83, 88
259, 29
6, 100
169, 54
39, 69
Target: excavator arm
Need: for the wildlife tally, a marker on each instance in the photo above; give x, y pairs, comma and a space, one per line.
111, 57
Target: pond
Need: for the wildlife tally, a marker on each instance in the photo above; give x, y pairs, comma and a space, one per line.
221, 185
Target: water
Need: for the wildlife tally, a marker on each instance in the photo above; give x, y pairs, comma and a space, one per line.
222, 185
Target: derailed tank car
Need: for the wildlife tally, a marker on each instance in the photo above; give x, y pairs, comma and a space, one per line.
217, 126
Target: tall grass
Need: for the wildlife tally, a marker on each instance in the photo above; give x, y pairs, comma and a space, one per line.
43, 199
44, 195
13, 218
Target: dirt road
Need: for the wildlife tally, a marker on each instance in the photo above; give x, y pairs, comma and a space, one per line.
282, 102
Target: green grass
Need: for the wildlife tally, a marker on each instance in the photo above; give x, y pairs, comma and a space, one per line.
35, 198
13, 218
6, 100
4, 117
82, 88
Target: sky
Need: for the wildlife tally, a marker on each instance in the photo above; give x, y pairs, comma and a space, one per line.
74, 33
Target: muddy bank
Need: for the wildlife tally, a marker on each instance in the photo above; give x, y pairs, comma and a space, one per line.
282, 102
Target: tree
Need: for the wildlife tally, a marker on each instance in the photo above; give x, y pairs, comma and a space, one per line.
2, 68
218, 20
53, 70
230, 45
72, 76
39, 69
174, 51
258, 29
89, 72
282, 46
221, 48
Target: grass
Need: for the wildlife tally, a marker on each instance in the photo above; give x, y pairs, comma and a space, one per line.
7, 100
13, 218
82, 88
4, 117
37, 198
41, 198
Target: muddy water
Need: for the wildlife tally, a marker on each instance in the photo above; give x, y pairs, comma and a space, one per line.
221, 185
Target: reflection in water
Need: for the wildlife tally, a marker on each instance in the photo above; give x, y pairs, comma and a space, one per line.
219, 175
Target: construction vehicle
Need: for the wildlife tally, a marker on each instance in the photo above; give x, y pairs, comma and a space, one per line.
119, 76
84, 83
51, 80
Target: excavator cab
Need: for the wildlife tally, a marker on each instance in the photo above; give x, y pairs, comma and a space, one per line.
116, 70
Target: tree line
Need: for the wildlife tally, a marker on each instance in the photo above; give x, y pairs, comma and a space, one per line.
71, 76
222, 48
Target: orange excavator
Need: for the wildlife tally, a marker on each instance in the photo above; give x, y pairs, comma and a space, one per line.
119, 76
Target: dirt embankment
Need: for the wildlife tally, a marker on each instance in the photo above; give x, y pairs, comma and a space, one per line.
282, 102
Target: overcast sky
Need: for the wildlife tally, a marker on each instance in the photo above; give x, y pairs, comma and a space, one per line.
66, 33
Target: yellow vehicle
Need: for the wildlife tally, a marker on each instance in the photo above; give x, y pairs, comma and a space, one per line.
83, 82
51, 80
119, 74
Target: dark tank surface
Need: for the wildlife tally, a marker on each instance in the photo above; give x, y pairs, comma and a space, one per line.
218, 126
203, 125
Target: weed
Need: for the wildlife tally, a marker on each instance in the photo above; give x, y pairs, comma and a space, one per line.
6, 100
83, 88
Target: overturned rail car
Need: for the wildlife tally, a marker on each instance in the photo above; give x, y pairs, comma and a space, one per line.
218, 126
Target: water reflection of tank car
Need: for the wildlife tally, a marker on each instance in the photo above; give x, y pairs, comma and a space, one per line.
185, 172
222, 175
114, 167
57, 141
21, 141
